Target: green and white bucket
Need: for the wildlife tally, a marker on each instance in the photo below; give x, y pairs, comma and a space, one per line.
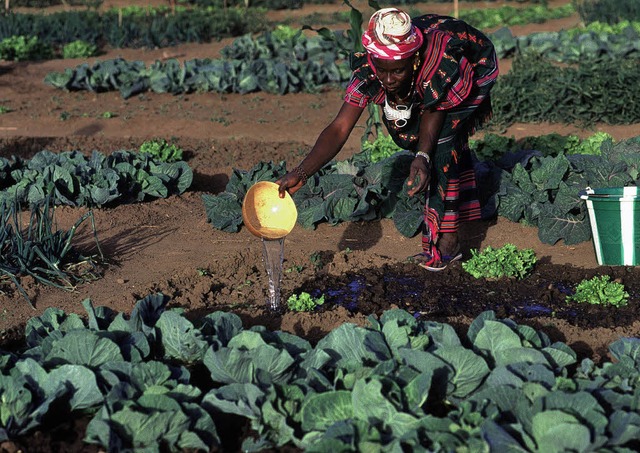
614, 214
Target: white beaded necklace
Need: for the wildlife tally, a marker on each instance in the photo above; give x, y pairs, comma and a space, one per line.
400, 114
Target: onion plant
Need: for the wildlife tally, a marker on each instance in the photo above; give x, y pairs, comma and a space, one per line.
38, 251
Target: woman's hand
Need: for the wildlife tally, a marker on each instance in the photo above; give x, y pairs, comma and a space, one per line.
420, 169
291, 182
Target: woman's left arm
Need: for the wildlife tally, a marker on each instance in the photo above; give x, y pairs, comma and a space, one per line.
431, 123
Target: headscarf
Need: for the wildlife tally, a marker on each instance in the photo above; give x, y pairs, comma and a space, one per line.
391, 36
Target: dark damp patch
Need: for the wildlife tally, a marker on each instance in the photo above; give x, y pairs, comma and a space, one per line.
454, 292
346, 294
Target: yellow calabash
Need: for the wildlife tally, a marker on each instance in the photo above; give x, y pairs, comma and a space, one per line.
265, 214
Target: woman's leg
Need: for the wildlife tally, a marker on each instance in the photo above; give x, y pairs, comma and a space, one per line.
459, 203
462, 202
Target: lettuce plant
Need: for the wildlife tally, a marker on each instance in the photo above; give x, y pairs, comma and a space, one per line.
381, 148
21, 48
79, 49
506, 261
304, 302
599, 290
162, 150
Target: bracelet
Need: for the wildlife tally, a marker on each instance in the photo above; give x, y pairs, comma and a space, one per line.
301, 174
425, 155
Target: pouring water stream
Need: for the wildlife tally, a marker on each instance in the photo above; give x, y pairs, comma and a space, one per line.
273, 254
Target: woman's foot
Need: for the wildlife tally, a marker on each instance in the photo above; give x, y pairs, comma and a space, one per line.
444, 261
448, 251
422, 259
448, 244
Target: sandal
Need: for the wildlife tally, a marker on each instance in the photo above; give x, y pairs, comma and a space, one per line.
441, 264
422, 259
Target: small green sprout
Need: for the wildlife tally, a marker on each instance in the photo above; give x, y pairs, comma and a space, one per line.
304, 302
202, 272
316, 260
247, 283
295, 268
599, 290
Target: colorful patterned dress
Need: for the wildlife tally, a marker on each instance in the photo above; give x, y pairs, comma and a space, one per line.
458, 69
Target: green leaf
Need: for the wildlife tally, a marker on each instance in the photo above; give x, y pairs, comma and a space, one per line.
349, 343
180, 339
83, 347
224, 211
85, 393
369, 404
556, 223
469, 369
417, 391
494, 337
556, 431
322, 410
245, 400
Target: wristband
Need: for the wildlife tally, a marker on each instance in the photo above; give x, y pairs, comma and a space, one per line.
301, 174
425, 156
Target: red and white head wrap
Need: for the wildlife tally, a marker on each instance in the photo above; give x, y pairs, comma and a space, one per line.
391, 36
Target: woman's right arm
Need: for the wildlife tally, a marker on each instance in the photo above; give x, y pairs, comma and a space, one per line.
327, 146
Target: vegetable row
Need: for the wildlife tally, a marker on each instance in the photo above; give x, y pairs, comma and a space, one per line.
524, 185
132, 28
155, 378
594, 90
98, 180
150, 27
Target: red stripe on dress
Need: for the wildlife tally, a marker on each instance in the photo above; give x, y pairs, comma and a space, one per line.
436, 43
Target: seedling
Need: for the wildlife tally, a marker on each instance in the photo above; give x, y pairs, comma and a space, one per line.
202, 272
381, 148
599, 290
79, 49
295, 268
304, 302
316, 260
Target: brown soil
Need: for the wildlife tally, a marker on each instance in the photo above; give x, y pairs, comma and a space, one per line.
168, 246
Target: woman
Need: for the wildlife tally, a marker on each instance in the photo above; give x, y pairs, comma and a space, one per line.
432, 76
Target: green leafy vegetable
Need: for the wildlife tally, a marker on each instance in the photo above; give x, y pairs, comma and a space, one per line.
72, 178
506, 261
161, 150
381, 148
402, 383
304, 302
20, 48
79, 49
599, 290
